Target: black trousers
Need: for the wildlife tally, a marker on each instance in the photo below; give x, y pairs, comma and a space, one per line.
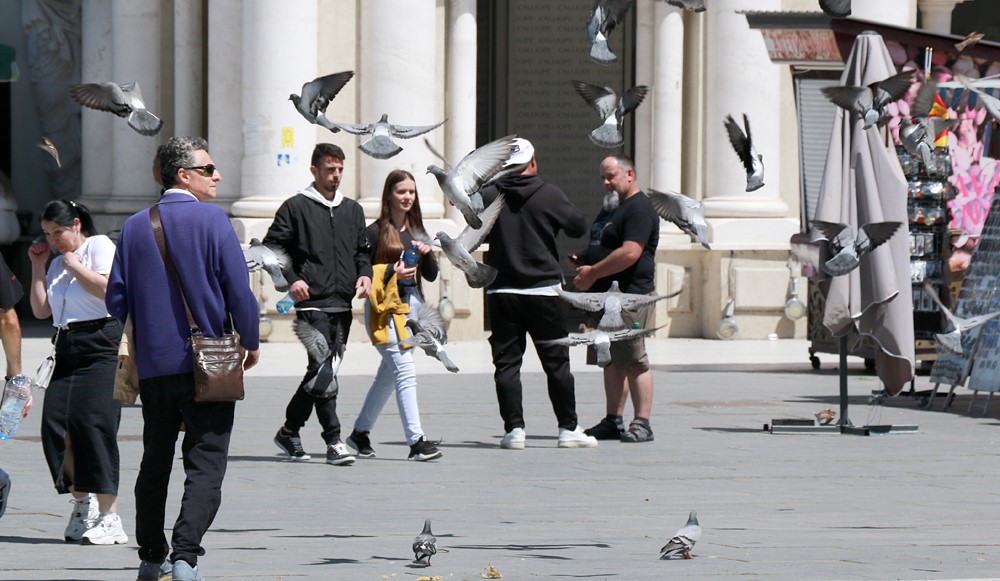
79, 405
335, 328
166, 402
541, 317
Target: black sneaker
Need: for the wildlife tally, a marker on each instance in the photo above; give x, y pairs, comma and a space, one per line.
291, 444
423, 451
360, 442
606, 429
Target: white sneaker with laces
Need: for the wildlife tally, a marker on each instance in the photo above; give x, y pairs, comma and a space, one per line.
85, 515
576, 439
107, 531
513, 440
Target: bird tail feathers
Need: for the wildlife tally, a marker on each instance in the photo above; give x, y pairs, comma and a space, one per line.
481, 275
448, 363
600, 53
471, 218
380, 147
144, 122
607, 135
476, 201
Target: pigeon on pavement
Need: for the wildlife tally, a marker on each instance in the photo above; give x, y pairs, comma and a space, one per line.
870, 102
612, 302
683, 540
683, 212
381, 145
459, 250
753, 162
424, 546
324, 383
50, 147
122, 100
427, 332
951, 342
462, 184
611, 109
696, 5
316, 96
836, 8
604, 17
601, 340
272, 260
848, 249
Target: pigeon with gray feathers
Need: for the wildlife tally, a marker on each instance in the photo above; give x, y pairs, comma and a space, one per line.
683, 540
427, 332
951, 342
509, 167
323, 384
123, 100
604, 17
611, 109
742, 142
381, 145
272, 260
919, 133
601, 340
316, 96
459, 250
847, 248
870, 102
683, 212
696, 5
836, 8
463, 183
612, 302
424, 546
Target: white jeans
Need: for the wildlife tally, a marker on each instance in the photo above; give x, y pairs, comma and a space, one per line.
395, 371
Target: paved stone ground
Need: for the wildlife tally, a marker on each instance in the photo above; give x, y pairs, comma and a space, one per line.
915, 506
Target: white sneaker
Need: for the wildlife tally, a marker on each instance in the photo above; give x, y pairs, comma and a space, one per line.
85, 515
513, 440
107, 531
576, 439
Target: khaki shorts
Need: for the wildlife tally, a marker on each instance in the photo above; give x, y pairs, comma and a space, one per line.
629, 354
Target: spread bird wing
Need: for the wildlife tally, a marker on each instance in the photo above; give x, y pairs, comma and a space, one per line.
878, 233
101, 96
481, 164
410, 131
696, 5
592, 302
571, 339
613, 12
631, 302
676, 208
422, 236
50, 147
836, 8
851, 98
430, 321
740, 141
470, 238
438, 154
314, 341
354, 129
318, 93
603, 99
631, 99
628, 334
973, 322
829, 230
924, 100
893, 88
930, 290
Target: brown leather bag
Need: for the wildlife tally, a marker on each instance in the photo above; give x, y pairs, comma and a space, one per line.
218, 361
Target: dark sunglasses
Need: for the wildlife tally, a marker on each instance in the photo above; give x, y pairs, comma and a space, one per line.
209, 169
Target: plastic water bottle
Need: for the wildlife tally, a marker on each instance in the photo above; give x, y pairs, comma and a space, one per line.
285, 304
16, 394
411, 258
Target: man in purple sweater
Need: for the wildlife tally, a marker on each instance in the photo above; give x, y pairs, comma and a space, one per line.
213, 274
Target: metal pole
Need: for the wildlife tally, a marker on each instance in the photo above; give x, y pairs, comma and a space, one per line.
844, 420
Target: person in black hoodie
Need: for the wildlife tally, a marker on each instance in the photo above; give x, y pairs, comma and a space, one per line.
324, 234
523, 298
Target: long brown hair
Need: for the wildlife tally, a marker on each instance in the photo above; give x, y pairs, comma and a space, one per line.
388, 246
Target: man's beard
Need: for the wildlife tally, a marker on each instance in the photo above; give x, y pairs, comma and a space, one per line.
611, 201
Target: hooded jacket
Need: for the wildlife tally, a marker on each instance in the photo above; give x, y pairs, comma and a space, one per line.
326, 242
523, 240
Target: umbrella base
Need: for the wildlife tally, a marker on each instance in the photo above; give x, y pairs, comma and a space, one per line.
797, 426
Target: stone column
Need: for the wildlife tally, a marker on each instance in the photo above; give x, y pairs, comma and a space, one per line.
96, 125
741, 79
895, 12
224, 104
397, 77
667, 97
278, 55
644, 61
460, 95
189, 73
935, 15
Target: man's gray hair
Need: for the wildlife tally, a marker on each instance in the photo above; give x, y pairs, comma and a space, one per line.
177, 153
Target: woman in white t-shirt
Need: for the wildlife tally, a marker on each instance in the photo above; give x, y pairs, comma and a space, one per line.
80, 416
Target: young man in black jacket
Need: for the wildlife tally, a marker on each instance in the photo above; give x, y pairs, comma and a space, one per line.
324, 234
523, 298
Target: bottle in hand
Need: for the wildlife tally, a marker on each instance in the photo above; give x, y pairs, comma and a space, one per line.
16, 394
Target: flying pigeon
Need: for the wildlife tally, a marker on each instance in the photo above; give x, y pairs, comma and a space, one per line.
601, 340
951, 342
122, 100
683, 540
919, 133
424, 546
323, 384
696, 5
272, 260
683, 212
427, 332
316, 96
848, 249
459, 250
612, 302
753, 162
50, 147
836, 8
989, 102
611, 109
381, 145
604, 17
462, 184
509, 168
970, 39
870, 102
